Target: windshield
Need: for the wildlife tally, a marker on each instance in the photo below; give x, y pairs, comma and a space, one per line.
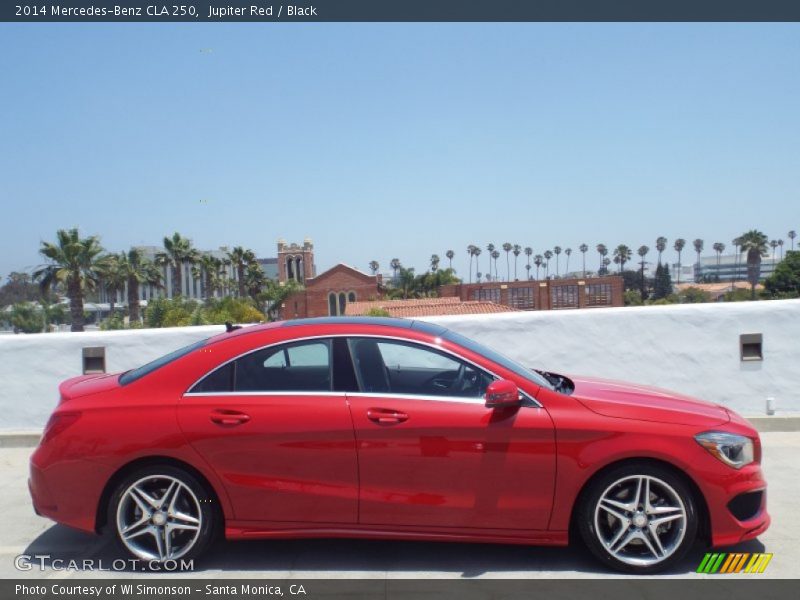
501, 360
133, 375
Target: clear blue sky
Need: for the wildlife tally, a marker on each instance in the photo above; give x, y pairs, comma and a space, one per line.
399, 140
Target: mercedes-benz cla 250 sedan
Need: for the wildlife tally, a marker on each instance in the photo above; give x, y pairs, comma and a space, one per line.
383, 428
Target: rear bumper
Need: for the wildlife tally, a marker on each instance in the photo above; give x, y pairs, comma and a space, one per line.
67, 491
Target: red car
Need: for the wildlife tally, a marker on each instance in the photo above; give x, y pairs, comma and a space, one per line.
387, 428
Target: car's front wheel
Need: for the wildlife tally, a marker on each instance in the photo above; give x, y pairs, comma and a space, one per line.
162, 513
638, 518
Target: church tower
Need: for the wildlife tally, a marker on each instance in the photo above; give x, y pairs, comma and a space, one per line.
295, 261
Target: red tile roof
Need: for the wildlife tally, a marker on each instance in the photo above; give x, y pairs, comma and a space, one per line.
427, 307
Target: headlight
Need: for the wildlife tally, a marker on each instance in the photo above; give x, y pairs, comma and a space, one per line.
734, 450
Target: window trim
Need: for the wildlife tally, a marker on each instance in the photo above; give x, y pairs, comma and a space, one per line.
330, 336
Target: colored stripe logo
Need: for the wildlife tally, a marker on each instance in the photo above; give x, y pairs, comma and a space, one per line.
734, 562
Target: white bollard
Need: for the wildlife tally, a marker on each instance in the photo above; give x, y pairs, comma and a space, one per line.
770, 405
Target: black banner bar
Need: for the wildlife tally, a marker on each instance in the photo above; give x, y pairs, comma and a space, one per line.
734, 587
399, 10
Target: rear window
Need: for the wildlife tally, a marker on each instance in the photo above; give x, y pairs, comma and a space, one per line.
133, 375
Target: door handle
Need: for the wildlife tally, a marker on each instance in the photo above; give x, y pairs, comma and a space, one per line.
223, 416
386, 416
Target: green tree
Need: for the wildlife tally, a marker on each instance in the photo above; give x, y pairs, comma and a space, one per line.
113, 278
495, 255
538, 260
374, 266
507, 248
76, 264
547, 256
528, 253
792, 234
240, 259
584, 249
254, 279
377, 311
680, 243
662, 286
19, 288
450, 254
661, 245
178, 251
602, 250
396, 265
693, 295
517, 249
557, 252
642, 252
207, 270
138, 271
622, 254
567, 253
434, 262
25, 317
719, 248
490, 250
755, 244
785, 280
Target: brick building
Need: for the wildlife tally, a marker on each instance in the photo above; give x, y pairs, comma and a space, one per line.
330, 292
549, 294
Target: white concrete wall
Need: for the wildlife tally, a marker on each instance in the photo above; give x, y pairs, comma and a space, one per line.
690, 348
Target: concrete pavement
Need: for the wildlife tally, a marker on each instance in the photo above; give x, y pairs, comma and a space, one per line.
25, 533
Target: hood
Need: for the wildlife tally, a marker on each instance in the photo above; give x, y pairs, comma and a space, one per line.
643, 403
84, 385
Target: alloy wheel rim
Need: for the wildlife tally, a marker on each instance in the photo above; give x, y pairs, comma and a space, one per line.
640, 520
159, 518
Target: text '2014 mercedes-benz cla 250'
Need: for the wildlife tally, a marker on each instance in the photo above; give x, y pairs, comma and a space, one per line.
384, 428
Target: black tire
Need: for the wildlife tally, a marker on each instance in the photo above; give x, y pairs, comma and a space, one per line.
194, 500
634, 557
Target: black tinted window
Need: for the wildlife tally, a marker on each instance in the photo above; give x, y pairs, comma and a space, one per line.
387, 366
220, 380
131, 376
302, 367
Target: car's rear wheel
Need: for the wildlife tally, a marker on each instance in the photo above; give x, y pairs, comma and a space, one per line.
162, 513
638, 518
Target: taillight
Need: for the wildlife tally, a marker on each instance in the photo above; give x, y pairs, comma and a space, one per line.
57, 423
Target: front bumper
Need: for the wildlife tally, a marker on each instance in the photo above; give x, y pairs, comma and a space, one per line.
737, 505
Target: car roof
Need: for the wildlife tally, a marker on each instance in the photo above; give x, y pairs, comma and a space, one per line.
422, 326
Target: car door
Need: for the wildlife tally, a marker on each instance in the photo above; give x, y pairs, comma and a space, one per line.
432, 455
279, 438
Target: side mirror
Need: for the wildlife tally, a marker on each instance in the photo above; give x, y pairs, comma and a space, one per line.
502, 393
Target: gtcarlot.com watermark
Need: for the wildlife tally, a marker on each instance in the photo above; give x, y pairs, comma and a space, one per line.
44, 562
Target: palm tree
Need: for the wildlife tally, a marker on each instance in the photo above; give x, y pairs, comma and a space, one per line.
74, 262
240, 258
477, 262
395, 265
495, 256
537, 260
434, 262
567, 253
471, 253
528, 252
178, 251
780, 245
736, 242
450, 254
113, 279
206, 269
622, 254
661, 245
254, 279
516, 251
507, 247
642, 252
679, 244
583, 248
138, 271
374, 266
698, 248
490, 252
547, 256
602, 250
606, 262
755, 244
792, 234
557, 251
774, 245
719, 248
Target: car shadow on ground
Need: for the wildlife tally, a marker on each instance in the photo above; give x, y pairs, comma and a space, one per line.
353, 558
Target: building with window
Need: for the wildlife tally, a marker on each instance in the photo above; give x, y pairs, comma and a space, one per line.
731, 267
330, 292
549, 294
